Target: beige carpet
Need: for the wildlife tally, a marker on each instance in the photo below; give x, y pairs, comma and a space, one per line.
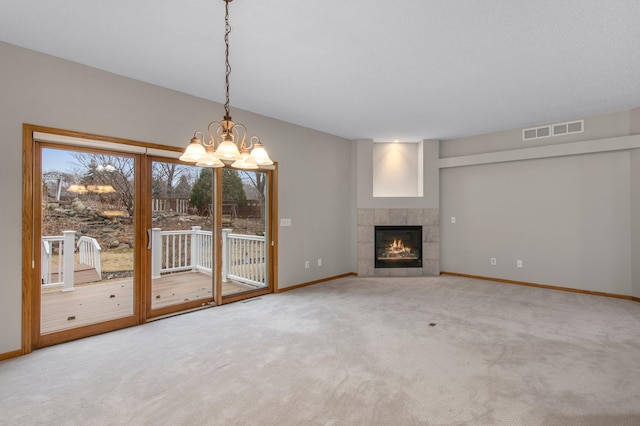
355, 351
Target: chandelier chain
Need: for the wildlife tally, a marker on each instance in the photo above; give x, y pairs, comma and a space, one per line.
227, 30
227, 144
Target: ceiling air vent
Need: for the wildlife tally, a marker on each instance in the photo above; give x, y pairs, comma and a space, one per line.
557, 129
568, 128
536, 133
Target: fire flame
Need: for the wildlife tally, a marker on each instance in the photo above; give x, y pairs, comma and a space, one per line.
397, 245
397, 250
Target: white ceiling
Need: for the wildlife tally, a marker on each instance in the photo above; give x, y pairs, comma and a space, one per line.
393, 69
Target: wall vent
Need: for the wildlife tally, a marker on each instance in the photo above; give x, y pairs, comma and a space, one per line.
551, 130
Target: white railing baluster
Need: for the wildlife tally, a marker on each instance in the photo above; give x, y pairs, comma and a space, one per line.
173, 251
181, 241
195, 246
238, 258
239, 261
60, 260
167, 251
90, 253
226, 247
46, 263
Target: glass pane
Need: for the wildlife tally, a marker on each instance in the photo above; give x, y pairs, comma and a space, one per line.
244, 248
182, 244
87, 243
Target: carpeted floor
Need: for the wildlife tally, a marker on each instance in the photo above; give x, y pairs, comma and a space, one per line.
355, 351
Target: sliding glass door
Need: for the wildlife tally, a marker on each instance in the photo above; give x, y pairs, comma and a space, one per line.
114, 237
245, 233
86, 255
180, 244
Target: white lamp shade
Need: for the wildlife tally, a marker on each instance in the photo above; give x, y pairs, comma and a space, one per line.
194, 153
245, 162
260, 157
228, 151
210, 161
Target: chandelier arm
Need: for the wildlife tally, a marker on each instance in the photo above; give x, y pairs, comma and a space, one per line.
236, 133
253, 141
215, 133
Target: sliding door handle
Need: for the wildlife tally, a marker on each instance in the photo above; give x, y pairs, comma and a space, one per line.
149, 239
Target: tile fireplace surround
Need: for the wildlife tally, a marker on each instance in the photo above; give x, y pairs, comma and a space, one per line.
428, 218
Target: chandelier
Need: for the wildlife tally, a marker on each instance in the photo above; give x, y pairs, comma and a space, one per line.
227, 142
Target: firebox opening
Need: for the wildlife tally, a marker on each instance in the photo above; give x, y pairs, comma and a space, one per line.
398, 246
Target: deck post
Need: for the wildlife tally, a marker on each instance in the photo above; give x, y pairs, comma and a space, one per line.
195, 248
156, 252
225, 254
68, 260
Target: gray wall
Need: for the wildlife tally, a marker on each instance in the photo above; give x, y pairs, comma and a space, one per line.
635, 221
573, 220
635, 204
635, 121
567, 218
314, 188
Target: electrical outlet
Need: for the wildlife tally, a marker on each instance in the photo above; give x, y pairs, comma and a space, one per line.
519, 263
319, 262
306, 264
494, 261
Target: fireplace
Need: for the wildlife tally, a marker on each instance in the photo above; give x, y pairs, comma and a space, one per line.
398, 246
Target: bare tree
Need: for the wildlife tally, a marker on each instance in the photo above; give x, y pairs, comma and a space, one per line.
258, 180
167, 176
104, 169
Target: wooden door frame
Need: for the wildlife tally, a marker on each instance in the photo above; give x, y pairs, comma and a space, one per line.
31, 338
31, 228
151, 314
41, 340
272, 232
30, 274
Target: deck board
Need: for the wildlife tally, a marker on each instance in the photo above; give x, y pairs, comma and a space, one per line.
107, 300
82, 274
88, 304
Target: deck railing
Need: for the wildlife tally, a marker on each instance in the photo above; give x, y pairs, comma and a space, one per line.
90, 253
57, 267
183, 250
243, 256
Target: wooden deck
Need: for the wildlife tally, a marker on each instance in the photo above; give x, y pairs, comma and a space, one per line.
94, 303
81, 274
188, 286
88, 304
